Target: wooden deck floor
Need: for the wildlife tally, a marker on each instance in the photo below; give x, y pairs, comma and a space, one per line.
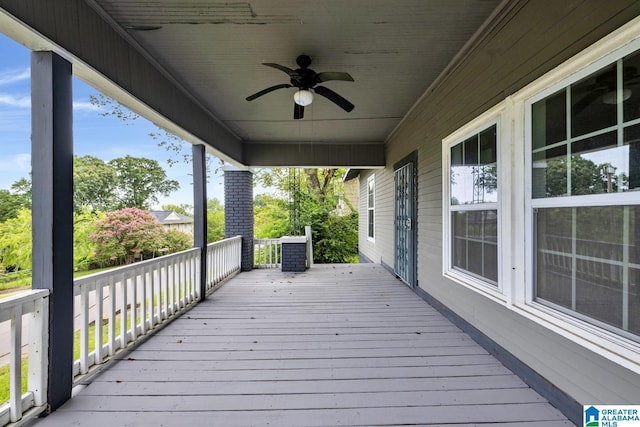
335, 346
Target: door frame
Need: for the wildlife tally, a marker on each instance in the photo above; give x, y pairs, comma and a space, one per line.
411, 158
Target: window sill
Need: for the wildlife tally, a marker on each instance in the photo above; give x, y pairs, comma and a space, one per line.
476, 285
616, 348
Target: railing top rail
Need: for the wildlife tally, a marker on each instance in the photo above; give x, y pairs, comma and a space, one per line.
23, 297
223, 241
126, 268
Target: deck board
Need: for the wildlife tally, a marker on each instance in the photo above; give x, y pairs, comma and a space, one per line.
338, 345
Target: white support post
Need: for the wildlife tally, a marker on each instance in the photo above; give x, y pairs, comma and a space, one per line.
38, 345
307, 233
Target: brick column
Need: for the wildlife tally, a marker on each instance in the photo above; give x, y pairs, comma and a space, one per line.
238, 211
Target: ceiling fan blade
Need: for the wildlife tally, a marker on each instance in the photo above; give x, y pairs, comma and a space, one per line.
584, 102
287, 70
335, 98
333, 75
298, 111
267, 90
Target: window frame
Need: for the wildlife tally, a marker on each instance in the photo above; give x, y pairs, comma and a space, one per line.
514, 200
494, 116
371, 208
591, 333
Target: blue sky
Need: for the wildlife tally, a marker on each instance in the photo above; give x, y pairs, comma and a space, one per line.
102, 137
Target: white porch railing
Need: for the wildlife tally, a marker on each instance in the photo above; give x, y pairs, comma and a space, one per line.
145, 294
123, 304
223, 260
112, 309
267, 253
35, 305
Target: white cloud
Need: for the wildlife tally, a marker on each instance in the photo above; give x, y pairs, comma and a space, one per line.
14, 167
25, 102
13, 76
15, 101
84, 106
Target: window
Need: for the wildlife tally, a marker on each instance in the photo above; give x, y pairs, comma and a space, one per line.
371, 207
585, 188
473, 206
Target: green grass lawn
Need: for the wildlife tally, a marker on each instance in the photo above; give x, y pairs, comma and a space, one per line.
4, 380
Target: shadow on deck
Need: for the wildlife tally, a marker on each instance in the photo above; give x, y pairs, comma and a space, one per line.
337, 345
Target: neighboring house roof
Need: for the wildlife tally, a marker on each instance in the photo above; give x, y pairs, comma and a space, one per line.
171, 217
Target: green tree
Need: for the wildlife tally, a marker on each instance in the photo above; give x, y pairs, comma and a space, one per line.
215, 220
313, 195
271, 217
176, 241
335, 238
586, 177
15, 242
22, 187
84, 225
11, 203
104, 186
139, 182
93, 184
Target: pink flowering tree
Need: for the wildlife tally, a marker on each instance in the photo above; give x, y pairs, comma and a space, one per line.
127, 233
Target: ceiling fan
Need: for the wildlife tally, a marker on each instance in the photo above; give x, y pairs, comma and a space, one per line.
305, 79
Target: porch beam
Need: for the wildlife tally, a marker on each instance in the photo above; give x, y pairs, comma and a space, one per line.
200, 212
52, 211
356, 155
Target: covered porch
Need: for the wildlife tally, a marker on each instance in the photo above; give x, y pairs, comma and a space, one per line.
336, 345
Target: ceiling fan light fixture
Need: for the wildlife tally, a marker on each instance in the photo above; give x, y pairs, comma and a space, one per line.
303, 97
611, 97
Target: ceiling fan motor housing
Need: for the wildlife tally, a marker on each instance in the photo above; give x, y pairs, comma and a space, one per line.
304, 78
303, 61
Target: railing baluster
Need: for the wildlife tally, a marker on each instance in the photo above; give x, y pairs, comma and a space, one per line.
84, 329
15, 369
181, 282
133, 282
172, 279
143, 300
98, 322
165, 289
124, 316
267, 253
152, 295
112, 315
